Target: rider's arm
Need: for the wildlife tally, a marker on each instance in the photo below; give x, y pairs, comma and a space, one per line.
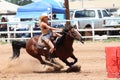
47, 26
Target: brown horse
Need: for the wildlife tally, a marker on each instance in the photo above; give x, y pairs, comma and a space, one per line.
64, 49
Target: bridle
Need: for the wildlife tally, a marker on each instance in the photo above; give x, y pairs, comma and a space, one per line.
71, 33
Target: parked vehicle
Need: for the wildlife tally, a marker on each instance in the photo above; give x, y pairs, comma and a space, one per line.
118, 12
112, 11
100, 18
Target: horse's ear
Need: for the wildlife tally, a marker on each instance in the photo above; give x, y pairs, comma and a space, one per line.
72, 27
65, 30
75, 26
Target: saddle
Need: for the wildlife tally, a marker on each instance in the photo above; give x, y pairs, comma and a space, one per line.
41, 43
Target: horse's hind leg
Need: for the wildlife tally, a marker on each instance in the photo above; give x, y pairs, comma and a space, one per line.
54, 65
37, 56
44, 62
61, 66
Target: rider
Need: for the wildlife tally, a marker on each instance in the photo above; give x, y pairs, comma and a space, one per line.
47, 33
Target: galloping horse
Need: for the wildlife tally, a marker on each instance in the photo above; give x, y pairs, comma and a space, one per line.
63, 49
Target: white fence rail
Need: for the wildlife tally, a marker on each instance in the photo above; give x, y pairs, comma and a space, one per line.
31, 25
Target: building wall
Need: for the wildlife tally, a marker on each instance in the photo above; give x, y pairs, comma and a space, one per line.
94, 4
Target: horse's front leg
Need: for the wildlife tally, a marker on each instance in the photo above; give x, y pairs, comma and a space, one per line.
67, 63
75, 60
70, 63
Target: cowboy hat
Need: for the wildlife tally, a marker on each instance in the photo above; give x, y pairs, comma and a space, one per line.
44, 15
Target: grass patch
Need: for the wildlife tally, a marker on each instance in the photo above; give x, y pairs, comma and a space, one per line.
112, 40
3, 42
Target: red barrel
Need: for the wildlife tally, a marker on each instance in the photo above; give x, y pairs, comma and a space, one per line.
118, 57
113, 62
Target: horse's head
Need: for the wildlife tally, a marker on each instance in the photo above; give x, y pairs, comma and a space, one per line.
74, 33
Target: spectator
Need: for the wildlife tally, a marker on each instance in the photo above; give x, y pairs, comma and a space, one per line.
54, 16
3, 27
36, 28
54, 24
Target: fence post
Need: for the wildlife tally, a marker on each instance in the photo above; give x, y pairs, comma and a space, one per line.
8, 32
31, 29
93, 31
15, 31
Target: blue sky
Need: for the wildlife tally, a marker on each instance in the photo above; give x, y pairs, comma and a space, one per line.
60, 1
55, 0
35, 0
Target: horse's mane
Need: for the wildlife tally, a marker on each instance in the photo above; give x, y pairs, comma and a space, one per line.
61, 40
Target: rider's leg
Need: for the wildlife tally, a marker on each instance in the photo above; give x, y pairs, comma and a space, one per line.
51, 48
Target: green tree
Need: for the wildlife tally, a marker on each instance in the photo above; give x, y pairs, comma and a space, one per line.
20, 2
24, 2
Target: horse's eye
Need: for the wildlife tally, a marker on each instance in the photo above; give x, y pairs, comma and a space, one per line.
72, 32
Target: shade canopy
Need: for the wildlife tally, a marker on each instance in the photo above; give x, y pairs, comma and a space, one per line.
34, 10
7, 8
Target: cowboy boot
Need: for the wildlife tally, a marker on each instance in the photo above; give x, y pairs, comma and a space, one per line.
51, 56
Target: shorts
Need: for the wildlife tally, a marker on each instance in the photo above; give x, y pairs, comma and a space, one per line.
47, 36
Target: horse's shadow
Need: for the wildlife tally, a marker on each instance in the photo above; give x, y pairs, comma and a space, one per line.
41, 72
68, 70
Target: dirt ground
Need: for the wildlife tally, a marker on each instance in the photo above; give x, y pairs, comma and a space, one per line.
91, 58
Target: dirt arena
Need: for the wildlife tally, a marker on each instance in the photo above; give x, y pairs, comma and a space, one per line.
91, 58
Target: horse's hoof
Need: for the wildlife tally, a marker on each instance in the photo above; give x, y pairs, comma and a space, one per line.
74, 69
57, 69
43, 62
49, 69
70, 64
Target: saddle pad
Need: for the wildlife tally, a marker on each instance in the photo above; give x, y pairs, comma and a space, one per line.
40, 44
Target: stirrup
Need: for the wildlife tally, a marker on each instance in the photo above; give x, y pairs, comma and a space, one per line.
51, 57
52, 60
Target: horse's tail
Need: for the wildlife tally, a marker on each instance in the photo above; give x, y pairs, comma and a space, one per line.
16, 46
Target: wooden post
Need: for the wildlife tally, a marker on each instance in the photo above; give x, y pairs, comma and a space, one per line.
67, 12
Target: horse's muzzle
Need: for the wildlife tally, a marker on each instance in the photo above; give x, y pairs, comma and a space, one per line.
81, 40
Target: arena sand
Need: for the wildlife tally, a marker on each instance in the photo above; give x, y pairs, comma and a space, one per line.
91, 58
